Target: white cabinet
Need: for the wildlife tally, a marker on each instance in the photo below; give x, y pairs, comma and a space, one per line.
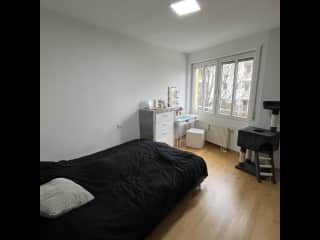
157, 125
164, 127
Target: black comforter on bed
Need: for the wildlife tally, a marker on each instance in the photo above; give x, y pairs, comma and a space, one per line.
135, 185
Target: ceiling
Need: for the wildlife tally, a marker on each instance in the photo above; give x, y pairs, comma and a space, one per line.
154, 21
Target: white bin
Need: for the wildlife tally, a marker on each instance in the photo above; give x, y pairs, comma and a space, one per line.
195, 138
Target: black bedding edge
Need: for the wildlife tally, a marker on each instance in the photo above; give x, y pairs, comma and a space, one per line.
166, 175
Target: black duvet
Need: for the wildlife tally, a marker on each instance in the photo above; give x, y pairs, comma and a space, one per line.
135, 185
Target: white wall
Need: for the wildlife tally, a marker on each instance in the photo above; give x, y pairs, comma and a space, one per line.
271, 80
91, 80
268, 78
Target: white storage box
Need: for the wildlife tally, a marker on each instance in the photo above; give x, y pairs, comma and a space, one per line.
195, 138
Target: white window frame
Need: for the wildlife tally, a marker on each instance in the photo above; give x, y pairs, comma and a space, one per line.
204, 64
255, 54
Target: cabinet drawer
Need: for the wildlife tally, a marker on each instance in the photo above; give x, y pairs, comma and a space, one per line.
165, 137
164, 126
165, 117
164, 132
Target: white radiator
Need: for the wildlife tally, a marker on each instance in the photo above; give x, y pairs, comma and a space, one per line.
218, 135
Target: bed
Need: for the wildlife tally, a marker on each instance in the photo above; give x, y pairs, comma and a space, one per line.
135, 185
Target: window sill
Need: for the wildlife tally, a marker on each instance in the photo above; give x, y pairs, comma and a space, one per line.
220, 116
246, 120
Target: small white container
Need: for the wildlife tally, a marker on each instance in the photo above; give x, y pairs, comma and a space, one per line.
195, 138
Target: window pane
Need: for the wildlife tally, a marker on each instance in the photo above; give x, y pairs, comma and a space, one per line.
226, 88
242, 89
209, 85
198, 89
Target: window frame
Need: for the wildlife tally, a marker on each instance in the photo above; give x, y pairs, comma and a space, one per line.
219, 80
204, 64
250, 54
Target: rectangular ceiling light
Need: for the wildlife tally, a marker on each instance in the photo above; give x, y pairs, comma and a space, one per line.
185, 6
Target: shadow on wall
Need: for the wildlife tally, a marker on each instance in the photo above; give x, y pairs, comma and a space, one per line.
129, 128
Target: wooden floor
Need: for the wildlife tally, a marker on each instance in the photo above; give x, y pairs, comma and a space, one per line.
230, 204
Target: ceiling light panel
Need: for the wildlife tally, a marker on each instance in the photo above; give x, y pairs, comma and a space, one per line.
185, 7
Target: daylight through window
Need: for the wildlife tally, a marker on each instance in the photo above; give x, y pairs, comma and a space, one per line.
224, 86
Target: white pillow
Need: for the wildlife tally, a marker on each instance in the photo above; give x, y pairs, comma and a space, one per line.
60, 196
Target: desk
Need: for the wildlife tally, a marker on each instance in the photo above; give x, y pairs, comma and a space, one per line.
182, 124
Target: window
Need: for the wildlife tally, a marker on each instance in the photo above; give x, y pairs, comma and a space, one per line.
226, 89
224, 86
204, 83
242, 89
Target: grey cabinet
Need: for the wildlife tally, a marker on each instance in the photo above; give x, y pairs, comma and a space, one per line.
157, 125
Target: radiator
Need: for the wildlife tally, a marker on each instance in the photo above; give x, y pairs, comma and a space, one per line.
219, 135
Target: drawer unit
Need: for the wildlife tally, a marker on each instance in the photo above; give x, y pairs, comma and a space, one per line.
157, 125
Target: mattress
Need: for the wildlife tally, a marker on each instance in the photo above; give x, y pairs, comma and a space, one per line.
135, 185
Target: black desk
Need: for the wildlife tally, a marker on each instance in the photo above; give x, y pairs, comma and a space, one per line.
258, 140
